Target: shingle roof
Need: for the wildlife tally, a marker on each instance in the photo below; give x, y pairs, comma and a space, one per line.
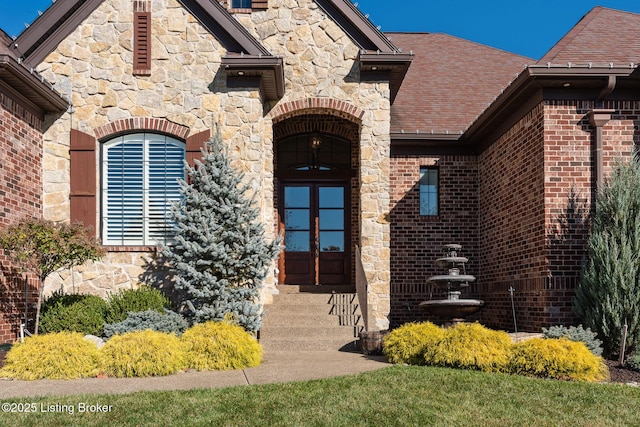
450, 82
602, 36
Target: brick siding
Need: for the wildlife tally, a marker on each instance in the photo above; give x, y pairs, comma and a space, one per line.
20, 196
520, 209
416, 241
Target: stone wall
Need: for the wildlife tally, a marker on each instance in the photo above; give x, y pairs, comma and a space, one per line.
94, 66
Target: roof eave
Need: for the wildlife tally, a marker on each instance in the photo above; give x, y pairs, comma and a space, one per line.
532, 79
31, 86
269, 69
394, 64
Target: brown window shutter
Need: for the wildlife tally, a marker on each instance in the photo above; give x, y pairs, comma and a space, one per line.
259, 4
83, 171
194, 144
142, 43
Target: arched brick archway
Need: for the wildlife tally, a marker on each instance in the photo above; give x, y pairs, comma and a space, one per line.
308, 106
141, 124
300, 120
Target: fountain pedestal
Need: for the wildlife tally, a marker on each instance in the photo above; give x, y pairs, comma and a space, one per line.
453, 309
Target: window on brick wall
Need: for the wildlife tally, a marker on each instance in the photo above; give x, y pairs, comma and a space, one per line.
140, 175
429, 191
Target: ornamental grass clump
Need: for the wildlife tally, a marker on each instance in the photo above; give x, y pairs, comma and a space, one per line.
471, 346
142, 354
408, 343
63, 355
220, 346
560, 359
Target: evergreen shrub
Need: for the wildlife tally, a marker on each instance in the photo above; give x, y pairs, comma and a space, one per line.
62, 355
125, 301
169, 322
608, 296
73, 313
219, 346
142, 354
471, 346
220, 254
408, 343
633, 361
573, 333
561, 359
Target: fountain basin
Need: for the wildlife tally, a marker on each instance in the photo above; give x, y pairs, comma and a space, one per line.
452, 308
443, 279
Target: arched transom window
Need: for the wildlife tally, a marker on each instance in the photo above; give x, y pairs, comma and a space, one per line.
140, 175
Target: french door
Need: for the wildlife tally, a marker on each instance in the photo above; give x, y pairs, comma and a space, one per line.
315, 221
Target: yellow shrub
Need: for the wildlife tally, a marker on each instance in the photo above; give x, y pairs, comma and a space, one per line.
407, 344
557, 358
62, 355
142, 354
220, 345
471, 346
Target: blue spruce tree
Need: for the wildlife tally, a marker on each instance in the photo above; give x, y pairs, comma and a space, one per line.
220, 253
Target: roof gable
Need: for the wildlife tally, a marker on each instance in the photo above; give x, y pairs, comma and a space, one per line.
64, 16
602, 36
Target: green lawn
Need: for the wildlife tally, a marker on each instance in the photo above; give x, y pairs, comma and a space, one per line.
395, 396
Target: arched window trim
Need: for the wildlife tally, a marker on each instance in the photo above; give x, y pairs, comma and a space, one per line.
138, 217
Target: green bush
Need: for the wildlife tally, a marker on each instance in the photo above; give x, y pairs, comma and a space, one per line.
633, 361
62, 355
408, 343
169, 322
73, 313
220, 345
126, 301
142, 354
561, 359
587, 336
471, 346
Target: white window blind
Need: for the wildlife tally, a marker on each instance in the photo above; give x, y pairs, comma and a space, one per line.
140, 175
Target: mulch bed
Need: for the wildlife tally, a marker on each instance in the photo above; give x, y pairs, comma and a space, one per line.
618, 373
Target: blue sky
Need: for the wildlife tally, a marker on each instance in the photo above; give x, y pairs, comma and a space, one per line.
527, 28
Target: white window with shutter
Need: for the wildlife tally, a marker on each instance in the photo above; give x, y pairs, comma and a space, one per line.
140, 175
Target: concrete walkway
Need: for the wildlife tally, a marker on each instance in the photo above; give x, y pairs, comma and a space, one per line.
277, 367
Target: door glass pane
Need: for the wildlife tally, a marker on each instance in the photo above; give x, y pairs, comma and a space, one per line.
331, 241
331, 219
296, 241
296, 219
331, 197
296, 197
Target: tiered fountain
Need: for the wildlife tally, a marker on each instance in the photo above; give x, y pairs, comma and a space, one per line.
454, 309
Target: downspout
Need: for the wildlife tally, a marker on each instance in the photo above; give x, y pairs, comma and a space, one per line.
598, 117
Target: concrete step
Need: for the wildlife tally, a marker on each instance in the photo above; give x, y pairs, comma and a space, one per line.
318, 344
299, 319
312, 289
312, 332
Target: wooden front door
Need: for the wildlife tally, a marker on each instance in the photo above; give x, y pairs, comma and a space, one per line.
315, 221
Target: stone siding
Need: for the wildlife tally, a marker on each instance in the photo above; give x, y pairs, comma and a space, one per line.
186, 86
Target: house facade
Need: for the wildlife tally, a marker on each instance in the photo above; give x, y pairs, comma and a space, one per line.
361, 148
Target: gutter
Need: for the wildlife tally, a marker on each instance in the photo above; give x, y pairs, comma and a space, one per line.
50, 100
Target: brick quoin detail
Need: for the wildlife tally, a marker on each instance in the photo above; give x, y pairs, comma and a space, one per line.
137, 124
330, 106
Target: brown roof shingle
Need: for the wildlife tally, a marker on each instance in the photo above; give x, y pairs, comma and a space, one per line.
450, 82
602, 36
